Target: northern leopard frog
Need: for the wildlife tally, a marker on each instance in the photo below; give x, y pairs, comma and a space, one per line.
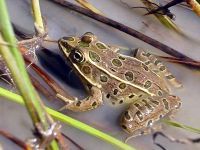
139, 80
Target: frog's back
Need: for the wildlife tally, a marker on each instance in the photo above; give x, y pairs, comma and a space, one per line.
128, 70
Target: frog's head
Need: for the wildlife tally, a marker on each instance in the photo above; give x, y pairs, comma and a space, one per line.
80, 52
70, 44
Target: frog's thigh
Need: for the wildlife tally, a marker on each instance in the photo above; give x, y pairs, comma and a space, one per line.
88, 103
156, 66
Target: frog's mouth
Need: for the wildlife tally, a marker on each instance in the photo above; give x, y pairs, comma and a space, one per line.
64, 47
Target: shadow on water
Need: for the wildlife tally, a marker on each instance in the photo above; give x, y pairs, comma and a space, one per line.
56, 65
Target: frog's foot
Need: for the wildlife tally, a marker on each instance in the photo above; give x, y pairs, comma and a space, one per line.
156, 66
91, 102
172, 139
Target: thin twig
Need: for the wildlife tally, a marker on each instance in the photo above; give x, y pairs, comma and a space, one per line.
195, 64
54, 86
124, 29
76, 144
40, 87
15, 140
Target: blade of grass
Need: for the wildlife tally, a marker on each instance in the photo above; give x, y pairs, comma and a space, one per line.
16, 66
37, 16
182, 126
70, 121
89, 6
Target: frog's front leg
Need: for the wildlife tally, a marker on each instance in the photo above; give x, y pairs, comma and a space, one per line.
156, 66
88, 103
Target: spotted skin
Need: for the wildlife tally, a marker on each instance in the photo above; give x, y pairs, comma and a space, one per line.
136, 118
120, 79
157, 66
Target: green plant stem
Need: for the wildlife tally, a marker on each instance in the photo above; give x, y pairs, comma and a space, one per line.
16, 65
70, 121
178, 125
37, 15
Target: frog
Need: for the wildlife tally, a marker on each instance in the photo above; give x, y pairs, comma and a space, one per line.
140, 80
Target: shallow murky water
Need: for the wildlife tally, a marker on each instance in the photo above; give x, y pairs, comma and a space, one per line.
63, 22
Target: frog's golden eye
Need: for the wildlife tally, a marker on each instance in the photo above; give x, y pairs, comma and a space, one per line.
77, 56
86, 39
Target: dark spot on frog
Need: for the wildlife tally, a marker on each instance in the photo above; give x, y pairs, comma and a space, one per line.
140, 95
86, 69
108, 95
112, 69
94, 56
94, 104
160, 93
100, 45
122, 85
149, 123
166, 104
139, 115
157, 62
115, 91
169, 77
131, 96
124, 127
121, 101
78, 103
162, 68
126, 115
116, 62
161, 116
147, 84
145, 67
122, 58
129, 76
103, 78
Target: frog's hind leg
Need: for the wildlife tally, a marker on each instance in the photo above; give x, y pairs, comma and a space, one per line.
88, 103
156, 66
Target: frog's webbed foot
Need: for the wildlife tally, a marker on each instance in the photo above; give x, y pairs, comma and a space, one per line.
156, 66
88, 103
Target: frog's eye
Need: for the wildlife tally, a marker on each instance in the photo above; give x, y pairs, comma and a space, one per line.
77, 56
86, 39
